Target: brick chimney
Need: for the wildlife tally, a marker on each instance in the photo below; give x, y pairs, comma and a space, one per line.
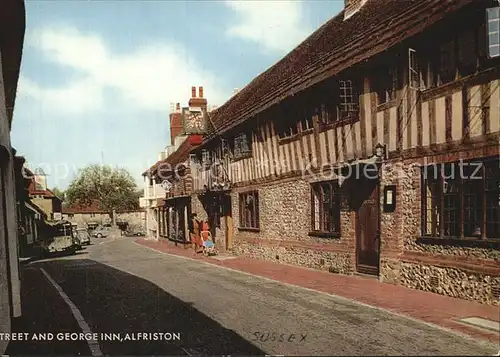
197, 101
352, 6
175, 123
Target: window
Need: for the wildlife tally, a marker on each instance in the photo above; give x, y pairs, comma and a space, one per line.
325, 207
387, 84
462, 199
467, 52
416, 74
446, 63
492, 193
306, 118
287, 129
327, 113
249, 210
206, 158
242, 145
493, 16
349, 99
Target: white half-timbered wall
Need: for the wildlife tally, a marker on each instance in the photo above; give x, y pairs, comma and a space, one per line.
423, 119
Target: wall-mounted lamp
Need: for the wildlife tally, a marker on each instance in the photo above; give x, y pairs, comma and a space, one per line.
389, 198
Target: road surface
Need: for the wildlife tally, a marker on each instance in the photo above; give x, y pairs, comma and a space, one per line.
120, 287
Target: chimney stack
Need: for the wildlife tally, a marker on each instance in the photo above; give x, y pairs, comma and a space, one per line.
197, 101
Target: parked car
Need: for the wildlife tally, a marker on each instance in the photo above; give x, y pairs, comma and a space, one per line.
135, 234
101, 232
84, 236
58, 237
92, 225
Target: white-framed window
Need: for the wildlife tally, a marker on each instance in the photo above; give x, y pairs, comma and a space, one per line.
493, 17
349, 100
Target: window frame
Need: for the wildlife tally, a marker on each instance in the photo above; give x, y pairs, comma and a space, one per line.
237, 141
249, 218
489, 32
387, 83
349, 94
466, 64
465, 180
306, 121
318, 225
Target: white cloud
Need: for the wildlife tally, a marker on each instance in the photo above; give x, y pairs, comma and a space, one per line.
277, 25
76, 98
148, 78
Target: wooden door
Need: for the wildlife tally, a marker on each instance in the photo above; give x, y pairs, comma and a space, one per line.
367, 229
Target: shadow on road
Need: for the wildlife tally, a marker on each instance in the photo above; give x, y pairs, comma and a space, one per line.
113, 301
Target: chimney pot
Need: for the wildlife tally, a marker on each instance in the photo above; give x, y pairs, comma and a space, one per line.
193, 92
200, 92
178, 107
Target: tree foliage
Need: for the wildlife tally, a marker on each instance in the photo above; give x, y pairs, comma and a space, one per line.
113, 188
59, 193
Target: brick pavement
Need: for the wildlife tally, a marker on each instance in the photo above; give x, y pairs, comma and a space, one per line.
425, 306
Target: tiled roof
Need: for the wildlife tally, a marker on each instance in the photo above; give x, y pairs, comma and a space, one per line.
34, 191
94, 207
334, 47
177, 157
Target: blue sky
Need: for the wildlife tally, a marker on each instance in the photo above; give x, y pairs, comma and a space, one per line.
98, 77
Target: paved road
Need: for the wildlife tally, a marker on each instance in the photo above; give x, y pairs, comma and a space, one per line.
119, 286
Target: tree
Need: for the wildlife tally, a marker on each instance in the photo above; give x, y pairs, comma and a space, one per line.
59, 193
113, 188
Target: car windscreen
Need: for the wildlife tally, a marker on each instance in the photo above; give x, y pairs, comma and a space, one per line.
83, 235
62, 230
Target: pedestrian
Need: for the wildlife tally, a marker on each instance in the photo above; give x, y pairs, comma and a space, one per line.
205, 231
194, 234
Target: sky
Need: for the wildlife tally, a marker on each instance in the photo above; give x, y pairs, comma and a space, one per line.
97, 77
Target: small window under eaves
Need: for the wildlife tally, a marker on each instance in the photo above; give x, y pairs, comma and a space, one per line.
493, 16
